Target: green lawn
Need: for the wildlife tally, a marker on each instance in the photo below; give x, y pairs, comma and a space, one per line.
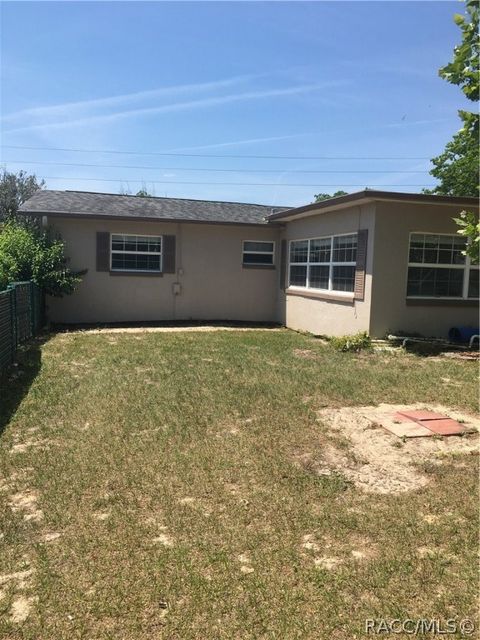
150, 488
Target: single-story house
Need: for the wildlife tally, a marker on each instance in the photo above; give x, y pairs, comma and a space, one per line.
372, 261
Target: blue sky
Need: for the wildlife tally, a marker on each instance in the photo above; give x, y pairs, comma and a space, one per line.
298, 79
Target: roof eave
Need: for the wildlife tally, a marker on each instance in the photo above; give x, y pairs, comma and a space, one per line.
106, 216
366, 196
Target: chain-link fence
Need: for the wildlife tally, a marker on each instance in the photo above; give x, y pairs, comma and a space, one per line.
22, 315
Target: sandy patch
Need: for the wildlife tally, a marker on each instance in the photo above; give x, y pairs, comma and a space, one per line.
20, 577
50, 537
101, 515
327, 562
21, 447
376, 460
186, 329
308, 354
308, 543
21, 608
26, 502
165, 539
245, 563
21, 605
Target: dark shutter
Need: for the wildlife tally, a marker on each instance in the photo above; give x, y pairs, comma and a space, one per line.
168, 254
361, 266
103, 251
283, 263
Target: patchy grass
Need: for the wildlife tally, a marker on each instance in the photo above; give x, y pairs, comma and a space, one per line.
149, 489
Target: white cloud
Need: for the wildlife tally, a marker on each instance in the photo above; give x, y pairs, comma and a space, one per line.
171, 108
65, 108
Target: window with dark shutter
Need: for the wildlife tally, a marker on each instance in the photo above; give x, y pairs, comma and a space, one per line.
283, 264
169, 245
103, 251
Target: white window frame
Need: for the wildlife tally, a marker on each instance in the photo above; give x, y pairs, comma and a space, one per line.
466, 268
330, 264
263, 253
148, 253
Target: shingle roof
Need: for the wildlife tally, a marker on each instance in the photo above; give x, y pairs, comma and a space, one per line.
107, 205
371, 195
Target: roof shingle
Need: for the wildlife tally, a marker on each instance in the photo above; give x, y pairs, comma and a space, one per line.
107, 205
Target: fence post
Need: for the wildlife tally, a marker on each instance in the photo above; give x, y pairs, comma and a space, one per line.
13, 318
33, 323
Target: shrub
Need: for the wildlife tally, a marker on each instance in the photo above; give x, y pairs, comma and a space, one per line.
27, 253
356, 342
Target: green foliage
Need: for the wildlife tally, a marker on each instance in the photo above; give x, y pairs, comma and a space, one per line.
464, 68
356, 342
27, 253
456, 168
470, 229
326, 196
143, 193
15, 188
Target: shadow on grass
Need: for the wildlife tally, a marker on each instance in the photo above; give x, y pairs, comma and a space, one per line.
61, 328
428, 349
16, 382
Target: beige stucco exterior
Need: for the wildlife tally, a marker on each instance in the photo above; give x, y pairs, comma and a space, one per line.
391, 312
213, 283
330, 316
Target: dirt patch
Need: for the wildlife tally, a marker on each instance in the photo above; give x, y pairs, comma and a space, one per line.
21, 608
245, 563
327, 562
376, 460
20, 577
101, 515
50, 537
180, 329
21, 447
165, 539
22, 604
26, 502
308, 354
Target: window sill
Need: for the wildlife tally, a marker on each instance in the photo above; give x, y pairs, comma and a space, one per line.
347, 298
442, 302
258, 266
148, 274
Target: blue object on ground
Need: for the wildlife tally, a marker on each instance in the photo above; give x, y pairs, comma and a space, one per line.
462, 334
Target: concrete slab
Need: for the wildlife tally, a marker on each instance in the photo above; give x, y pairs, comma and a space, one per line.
407, 429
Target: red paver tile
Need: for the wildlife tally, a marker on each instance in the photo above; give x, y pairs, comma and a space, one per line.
399, 417
422, 415
445, 427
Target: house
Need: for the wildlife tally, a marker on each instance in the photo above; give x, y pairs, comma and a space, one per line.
372, 261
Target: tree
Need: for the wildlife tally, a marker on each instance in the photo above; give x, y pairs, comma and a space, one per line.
15, 188
28, 253
457, 167
326, 196
143, 193
470, 229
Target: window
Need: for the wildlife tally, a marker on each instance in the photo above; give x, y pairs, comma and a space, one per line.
136, 253
437, 267
324, 263
256, 252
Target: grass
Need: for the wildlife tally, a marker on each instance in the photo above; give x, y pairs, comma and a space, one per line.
167, 464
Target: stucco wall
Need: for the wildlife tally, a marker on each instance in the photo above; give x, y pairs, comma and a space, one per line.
390, 312
214, 285
329, 317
